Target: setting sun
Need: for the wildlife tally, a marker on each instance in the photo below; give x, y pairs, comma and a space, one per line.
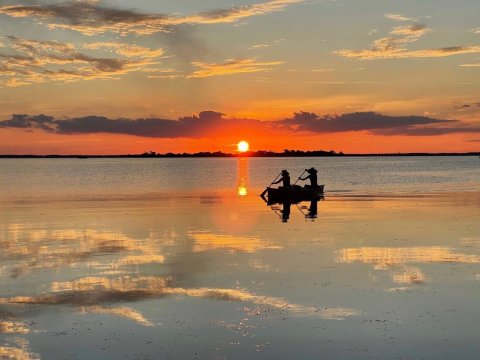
243, 146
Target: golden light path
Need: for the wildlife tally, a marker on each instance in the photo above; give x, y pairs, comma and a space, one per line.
243, 146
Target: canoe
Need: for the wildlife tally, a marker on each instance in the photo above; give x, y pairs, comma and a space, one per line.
294, 193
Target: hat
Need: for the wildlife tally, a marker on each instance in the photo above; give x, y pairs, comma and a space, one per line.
312, 171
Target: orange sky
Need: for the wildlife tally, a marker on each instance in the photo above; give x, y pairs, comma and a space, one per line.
22, 142
401, 76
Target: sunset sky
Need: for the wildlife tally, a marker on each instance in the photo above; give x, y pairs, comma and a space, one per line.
118, 76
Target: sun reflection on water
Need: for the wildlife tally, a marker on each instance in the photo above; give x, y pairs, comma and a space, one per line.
242, 176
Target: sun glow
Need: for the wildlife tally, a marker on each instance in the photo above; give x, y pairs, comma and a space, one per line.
243, 146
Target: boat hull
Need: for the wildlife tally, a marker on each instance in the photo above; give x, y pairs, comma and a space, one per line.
294, 194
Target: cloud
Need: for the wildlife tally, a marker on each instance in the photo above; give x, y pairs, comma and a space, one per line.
32, 61
230, 67
410, 33
471, 65
239, 12
41, 122
428, 131
167, 76
393, 46
207, 123
265, 44
127, 50
398, 17
375, 123
210, 124
90, 18
468, 106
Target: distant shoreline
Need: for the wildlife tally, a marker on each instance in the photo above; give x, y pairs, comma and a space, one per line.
252, 154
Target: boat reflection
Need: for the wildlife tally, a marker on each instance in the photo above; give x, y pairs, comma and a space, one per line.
310, 212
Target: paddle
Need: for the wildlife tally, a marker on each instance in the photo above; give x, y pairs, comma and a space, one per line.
300, 177
265, 191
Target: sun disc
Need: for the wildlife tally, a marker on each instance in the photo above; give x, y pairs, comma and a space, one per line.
243, 146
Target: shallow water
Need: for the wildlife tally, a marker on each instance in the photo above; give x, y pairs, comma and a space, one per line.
180, 259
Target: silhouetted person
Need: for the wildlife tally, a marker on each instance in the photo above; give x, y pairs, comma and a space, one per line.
312, 175
285, 178
286, 211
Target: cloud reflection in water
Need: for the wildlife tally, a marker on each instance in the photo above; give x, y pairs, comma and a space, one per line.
18, 350
396, 259
91, 291
205, 241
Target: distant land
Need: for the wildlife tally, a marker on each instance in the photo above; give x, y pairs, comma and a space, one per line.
219, 154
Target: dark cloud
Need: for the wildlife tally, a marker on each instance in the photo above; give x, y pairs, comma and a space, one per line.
139, 127
80, 15
89, 18
207, 123
20, 121
361, 121
467, 106
428, 131
212, 124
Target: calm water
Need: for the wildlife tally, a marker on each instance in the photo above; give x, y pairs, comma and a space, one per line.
180, 259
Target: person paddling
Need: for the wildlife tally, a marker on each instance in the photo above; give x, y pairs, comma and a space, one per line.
285, 178
312, 175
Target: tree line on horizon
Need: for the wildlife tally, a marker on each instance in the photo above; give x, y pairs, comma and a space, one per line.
260, 153
221, 154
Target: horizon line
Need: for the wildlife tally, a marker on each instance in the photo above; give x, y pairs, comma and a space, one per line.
259, 153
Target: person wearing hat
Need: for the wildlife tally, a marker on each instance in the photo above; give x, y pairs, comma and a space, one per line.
312, 175
285, 178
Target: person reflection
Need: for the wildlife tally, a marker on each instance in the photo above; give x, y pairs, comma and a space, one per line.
312, 210
286, 211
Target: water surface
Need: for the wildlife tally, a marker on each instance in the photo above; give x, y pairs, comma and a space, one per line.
180, 259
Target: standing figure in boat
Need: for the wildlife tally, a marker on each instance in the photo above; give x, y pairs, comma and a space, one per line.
285, 179
312, 175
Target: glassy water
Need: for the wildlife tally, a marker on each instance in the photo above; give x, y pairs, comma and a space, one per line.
181, 259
